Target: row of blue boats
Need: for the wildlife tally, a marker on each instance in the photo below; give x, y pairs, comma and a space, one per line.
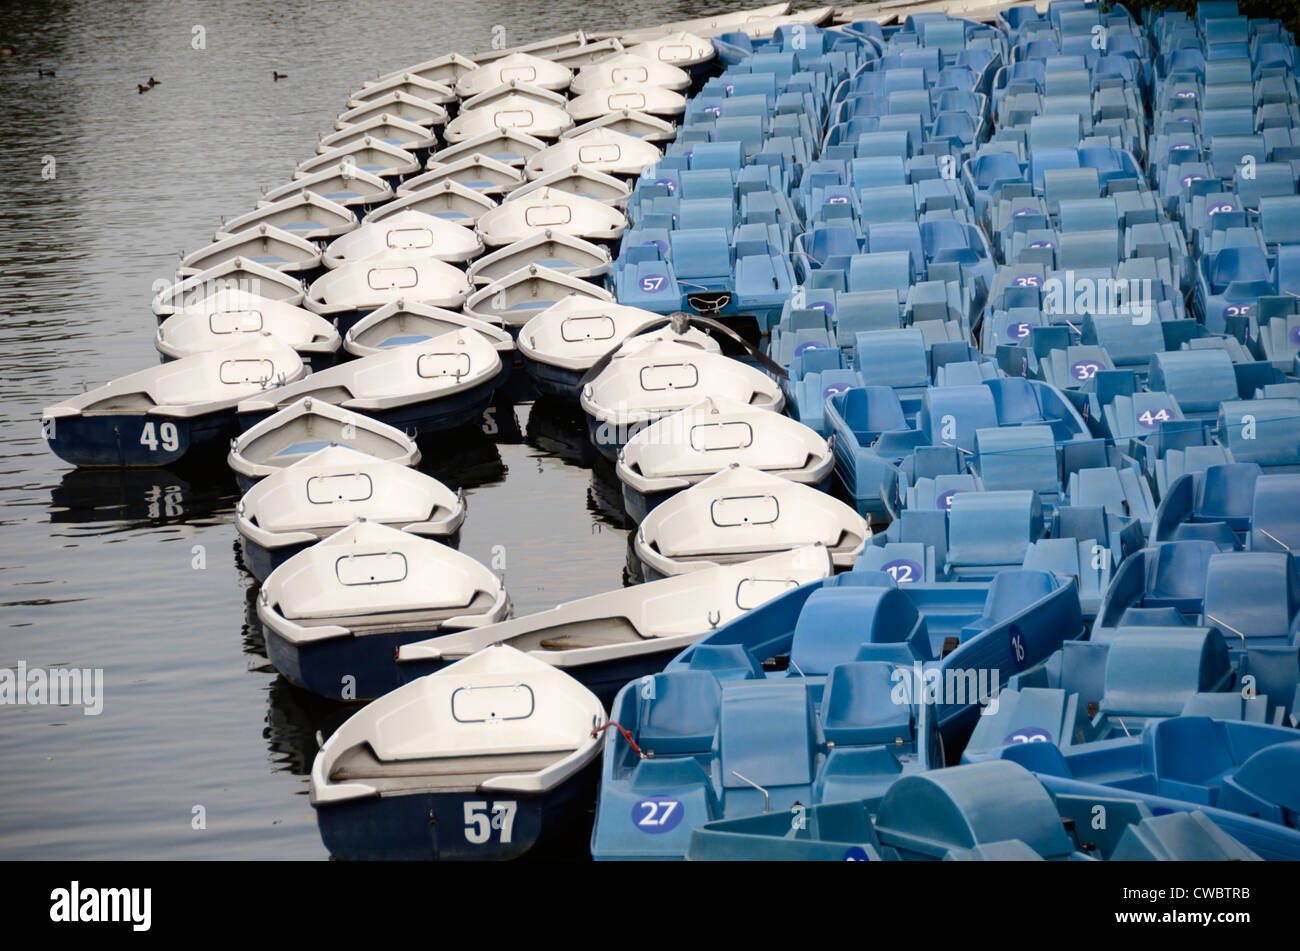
950, 367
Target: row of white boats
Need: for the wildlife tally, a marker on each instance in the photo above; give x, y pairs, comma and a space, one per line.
462, 215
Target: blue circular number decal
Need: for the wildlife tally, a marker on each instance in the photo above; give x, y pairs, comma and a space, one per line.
1029, 734
1188, 179
944, 501
824, 305
657, 814
1236, 310
1018, 331
667, 183
1085, 369
804, 347
902, 570
1152, 420
654, 283
1294, 334
1026, 280
856, 853
1021, 212
1019, 649
837, 200
1041, 244
1226, 206
656, 243
833, 389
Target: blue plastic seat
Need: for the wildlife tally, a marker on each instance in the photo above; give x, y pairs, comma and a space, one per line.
859, 706
681, 714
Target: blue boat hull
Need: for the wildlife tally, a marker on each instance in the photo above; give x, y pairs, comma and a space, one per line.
343, 668
432, 826
130, 440
554, 381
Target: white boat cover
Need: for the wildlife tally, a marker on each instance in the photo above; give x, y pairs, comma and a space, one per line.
222, 318
516, 725
540, 119
707, 437
741, 513
629, 122
406, 231
628, 67
643, 97
334, 487
384, 277
552, 209
368, 578
577, 331
601, 149
209, 382
522, 67
650, 378
681, 48
396, 377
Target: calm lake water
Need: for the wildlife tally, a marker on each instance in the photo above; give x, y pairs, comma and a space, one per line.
138, 573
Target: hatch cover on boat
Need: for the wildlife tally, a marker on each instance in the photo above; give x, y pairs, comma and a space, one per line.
379, 568
737, 510
389, 278
247, 371
545, 216
406, 238
669, 376
514, 118
489, 703
626, 100
630, 74
677, 51
434, 365
714, 437
596, 327
606, 152
751, 592
344, 487
235, 321
525, 74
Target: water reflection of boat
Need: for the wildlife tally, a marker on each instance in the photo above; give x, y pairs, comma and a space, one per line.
133, 495
465, 459
293, 719
605, 497
560, 429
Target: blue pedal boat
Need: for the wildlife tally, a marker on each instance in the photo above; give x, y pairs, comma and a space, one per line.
1243, 776
335, 613
485, 760
159, 416
994, 811
825, 693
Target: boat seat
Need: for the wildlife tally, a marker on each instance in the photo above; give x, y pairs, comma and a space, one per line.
1017, 457
1267, 785
1151, 617
1274, 425
1010, 593
992, 529
905, 562
835, 622
892, 358
1189, 757
1119, 491
952, 415
1176, 576
769, 737
1252, 594
1152, 671
1275, 514
859, 706
1227, 494
681, 713
701, 253
726, 662
856, 772
1031, 715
